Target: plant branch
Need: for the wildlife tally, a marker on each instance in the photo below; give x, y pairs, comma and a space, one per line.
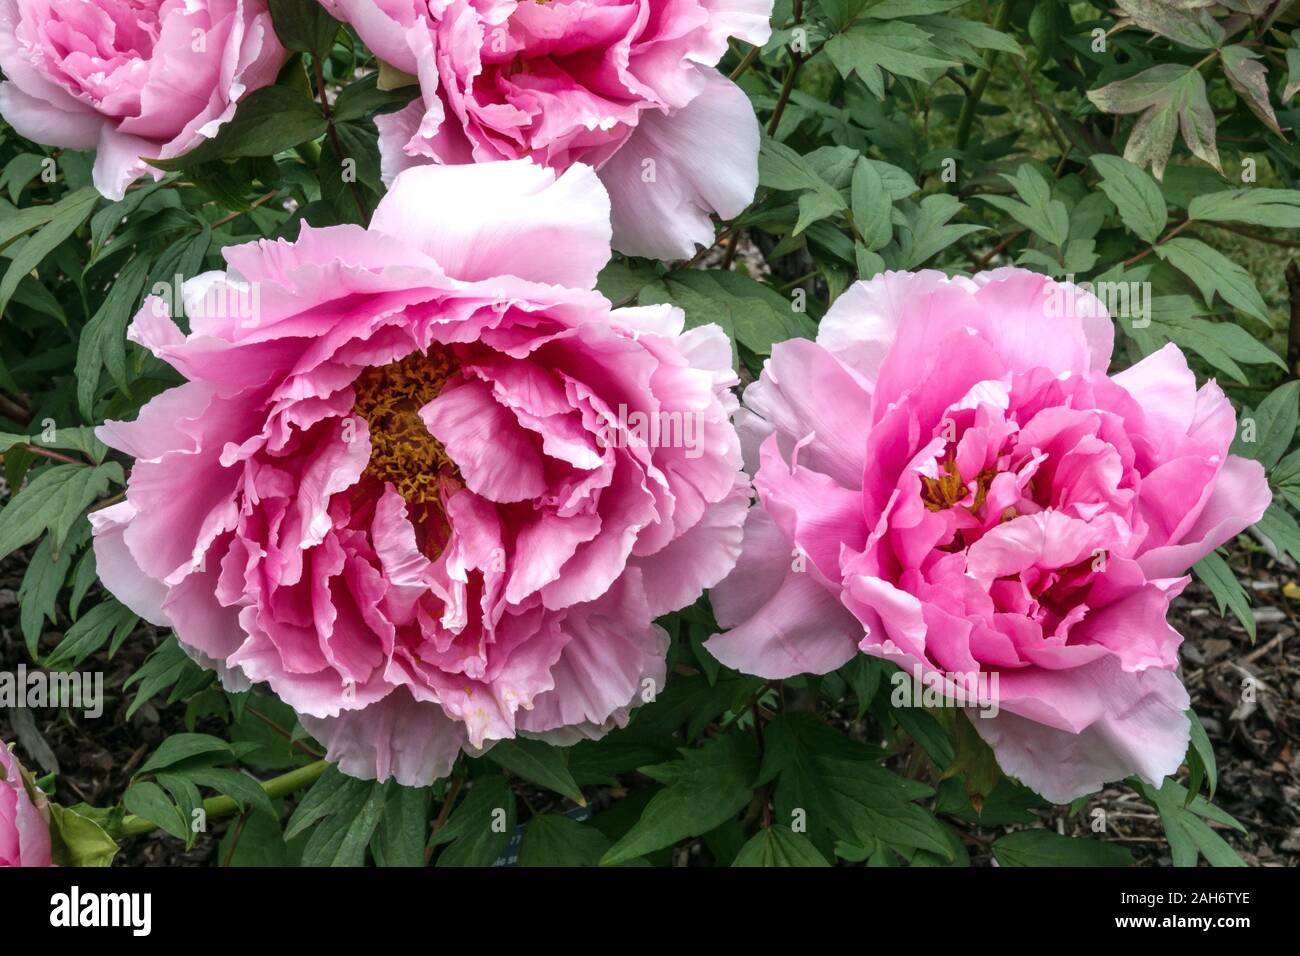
223, 806
1160, 242
231, 217
967, 118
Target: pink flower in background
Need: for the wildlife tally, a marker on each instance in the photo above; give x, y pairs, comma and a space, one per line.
949, 480
24, 817
411, 481
626, 86
131, 78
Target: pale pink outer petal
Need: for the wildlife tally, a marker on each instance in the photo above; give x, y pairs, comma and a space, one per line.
808, 396
666, 218
1127, 722
1240, 497
861, 325
614, 660
675, 576
118, 162
43, 122
398, 737
502, 219
119, 571
782, 622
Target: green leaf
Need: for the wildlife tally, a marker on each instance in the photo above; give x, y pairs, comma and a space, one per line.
330, 792
77, 840
1039, 212
1249, 77
52, 501
108, 623
1135, 194
182, 747
871, 206
39, 592
1286, 477
240, 787
260, 844
363, 98
480, 828
1203, 750
1045, 848
71, 212
926, 231
751, 313
20, 171
341, 837
897, 47
268, 121
836, 787
1279, 527
814, 207
778, 845
1185, 826
1267, 433
1256, 206
1227, 590
1221, 343
1190, 27
703, 790
147, 800
303, 26
403, 829
1170, 96
1211, 271
539, 762
555, 840
103, 340
23, 221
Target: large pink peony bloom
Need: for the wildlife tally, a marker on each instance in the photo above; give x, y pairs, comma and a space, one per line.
414, 487
626, 86
950, 480
131, 78
24, 818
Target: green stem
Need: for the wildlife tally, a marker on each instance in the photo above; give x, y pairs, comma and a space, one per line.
967, 118
223, 806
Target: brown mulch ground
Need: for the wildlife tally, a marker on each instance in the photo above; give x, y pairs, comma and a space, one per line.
1257, 745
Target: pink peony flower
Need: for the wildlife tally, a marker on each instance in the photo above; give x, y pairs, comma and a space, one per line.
949, 480
411, 482
626, 86
24, 817
131, 78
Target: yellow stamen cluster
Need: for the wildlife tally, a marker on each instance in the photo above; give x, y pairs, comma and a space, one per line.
948, 490
402, 451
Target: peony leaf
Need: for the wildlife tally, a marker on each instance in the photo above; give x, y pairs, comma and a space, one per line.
1249, 77
703, 790
1135, 195
778, 845
555, 840
1046, 848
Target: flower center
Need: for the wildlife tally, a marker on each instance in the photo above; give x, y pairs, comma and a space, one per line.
948, 490
402, 450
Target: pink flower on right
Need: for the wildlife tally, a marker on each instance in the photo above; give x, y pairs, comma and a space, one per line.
949, 479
